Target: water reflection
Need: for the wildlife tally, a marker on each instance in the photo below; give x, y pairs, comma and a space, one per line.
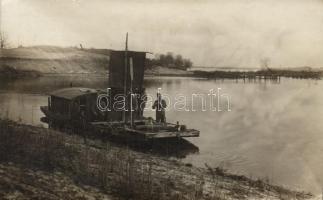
22, 107
274, 130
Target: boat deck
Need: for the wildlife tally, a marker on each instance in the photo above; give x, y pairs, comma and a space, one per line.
147, 129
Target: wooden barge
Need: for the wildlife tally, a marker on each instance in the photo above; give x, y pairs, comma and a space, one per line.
65, 108
77, 108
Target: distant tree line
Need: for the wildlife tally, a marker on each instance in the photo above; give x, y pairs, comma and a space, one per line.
170, 60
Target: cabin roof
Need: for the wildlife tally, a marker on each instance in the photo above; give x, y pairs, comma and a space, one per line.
73, 92
128, 51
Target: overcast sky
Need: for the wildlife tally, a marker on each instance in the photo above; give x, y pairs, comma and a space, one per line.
235, 33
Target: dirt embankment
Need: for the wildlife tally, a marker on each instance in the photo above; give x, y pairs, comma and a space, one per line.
37, 162
52, 60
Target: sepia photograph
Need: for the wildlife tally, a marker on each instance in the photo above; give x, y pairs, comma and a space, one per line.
161, 99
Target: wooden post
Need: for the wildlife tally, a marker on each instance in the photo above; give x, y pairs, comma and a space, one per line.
125, 81
131, 90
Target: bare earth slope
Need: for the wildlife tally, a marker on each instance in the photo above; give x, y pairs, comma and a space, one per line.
50, 59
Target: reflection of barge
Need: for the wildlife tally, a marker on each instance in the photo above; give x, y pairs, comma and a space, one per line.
76, 108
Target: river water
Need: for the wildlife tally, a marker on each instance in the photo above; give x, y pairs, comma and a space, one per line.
270, 130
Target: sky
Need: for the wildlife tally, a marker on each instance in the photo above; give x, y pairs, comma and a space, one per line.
217, 33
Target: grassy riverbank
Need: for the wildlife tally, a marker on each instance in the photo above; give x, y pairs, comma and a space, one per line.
40, 163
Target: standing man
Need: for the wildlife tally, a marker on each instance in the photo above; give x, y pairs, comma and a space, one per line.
160, 105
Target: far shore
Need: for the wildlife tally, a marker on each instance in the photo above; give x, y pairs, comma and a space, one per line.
31, 62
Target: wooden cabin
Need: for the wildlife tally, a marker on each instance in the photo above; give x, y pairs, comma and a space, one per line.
71, 104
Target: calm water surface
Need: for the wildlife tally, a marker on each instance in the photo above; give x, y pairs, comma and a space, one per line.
273, 131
